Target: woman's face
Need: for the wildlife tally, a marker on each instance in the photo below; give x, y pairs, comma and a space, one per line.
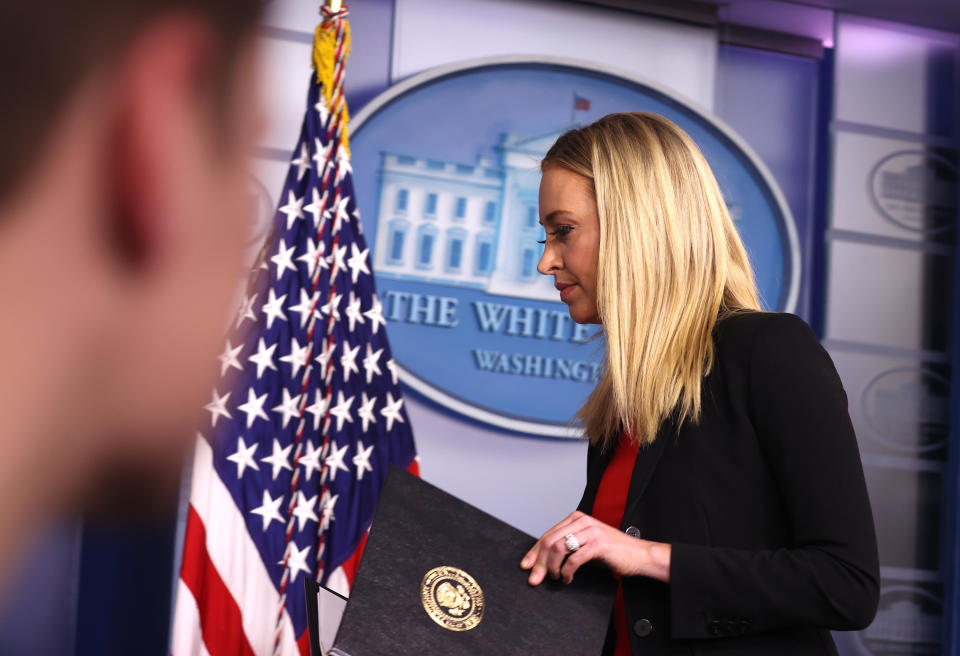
568, 212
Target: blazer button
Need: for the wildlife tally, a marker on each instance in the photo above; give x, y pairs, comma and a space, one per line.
633, 531
643, 627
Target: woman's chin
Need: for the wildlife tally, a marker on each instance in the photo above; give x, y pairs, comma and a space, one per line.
583, 316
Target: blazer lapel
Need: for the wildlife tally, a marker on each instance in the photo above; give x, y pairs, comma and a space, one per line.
646, 464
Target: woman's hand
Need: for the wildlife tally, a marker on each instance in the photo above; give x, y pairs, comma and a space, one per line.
623, 554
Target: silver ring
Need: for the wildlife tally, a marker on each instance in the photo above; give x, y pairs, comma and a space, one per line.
571, 542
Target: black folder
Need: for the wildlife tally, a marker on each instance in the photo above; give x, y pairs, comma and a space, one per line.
439, 576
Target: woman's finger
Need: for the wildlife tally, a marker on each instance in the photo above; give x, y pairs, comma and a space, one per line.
546, 550
581, 530
530, 558
578, 558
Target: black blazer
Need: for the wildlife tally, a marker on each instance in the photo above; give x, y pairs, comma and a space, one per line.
764, 502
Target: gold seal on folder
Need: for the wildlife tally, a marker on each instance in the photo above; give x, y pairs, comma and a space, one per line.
452, 598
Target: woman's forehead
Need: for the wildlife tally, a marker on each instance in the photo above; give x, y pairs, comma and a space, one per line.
562, 190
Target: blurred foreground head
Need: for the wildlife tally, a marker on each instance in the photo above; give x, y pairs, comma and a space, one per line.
124, 128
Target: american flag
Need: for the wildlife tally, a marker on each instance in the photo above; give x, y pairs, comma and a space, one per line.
307, 415
580, 103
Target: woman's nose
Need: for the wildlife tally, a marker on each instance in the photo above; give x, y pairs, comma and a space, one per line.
548, 261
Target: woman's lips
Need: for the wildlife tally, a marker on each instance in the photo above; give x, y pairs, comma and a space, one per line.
565, 290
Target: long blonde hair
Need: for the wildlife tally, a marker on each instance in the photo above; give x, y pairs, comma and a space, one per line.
671, 265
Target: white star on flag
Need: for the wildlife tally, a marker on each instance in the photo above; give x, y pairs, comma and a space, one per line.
293, 209
304, 511
243, 457
391, 411
273, 309
284, 259
321, 154
307, 303
302, 162
333, 305
263, 358
310, 460
297, 357
218, 407
348, 361
316, 206
354, 315
313, 257
325, 356
279, 459
358, 262
289, 407
246, 309
253, 408
269, 510
375, 315
229, 358
297, 561
362, 460
341, 216
342, 410
335, 461
365, 411
338, 257
322, 110
318, 409
345, 168
326, 515
371, 364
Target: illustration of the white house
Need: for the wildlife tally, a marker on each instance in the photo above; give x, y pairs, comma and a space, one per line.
930, 183
471, 225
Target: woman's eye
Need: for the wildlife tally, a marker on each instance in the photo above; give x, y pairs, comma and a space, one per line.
561, 231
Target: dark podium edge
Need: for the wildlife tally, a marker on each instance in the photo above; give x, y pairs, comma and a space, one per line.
311, 590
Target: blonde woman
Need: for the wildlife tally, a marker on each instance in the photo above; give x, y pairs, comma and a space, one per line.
724, 485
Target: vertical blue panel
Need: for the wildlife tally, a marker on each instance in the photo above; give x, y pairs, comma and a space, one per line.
817, 282
782, 130
891, 315
951, 543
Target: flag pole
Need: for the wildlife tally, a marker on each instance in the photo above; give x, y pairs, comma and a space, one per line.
331, 47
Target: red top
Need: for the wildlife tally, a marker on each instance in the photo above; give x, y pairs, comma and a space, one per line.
609, 506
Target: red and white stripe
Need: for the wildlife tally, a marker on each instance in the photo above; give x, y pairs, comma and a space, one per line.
225, 601
224, 582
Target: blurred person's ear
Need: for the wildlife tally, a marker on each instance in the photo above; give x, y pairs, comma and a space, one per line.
159, 86
177, 218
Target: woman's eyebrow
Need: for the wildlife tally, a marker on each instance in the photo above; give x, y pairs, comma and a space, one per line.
549, 218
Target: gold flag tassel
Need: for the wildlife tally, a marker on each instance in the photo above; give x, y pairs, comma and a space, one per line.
331, 46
